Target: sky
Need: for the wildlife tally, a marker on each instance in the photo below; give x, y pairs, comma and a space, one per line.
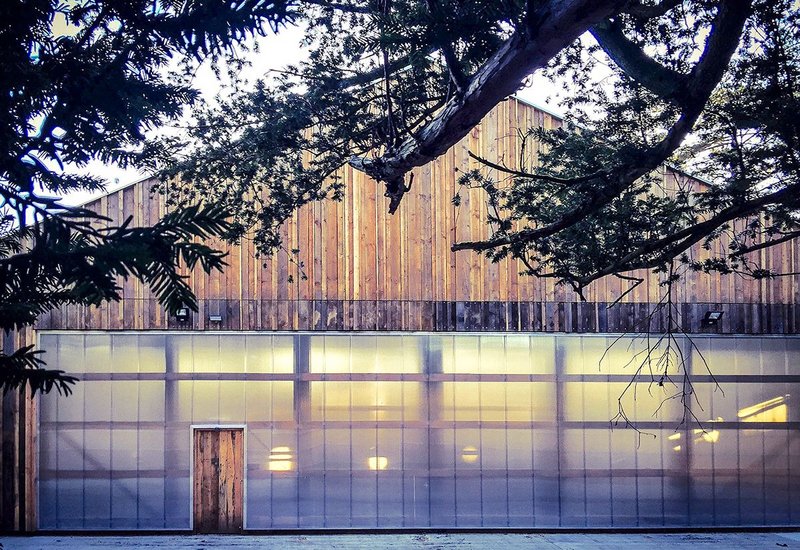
274, 52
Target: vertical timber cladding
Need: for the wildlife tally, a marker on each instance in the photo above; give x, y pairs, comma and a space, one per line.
367, 270
17, 449
218, 484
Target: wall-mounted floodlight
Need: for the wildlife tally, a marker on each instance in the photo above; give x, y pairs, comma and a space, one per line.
216, 318
182, 315
711, 318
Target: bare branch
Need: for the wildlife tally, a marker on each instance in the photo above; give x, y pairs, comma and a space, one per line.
529, 175
636, 282
766, 244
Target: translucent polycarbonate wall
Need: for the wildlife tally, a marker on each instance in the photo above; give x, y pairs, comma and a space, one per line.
419, 430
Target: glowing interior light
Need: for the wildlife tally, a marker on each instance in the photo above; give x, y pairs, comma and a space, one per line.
329, 361
469, 455
771, 410
677, 448
674, 437
377, 463
280, 459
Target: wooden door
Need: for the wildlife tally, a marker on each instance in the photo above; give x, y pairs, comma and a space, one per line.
218, 480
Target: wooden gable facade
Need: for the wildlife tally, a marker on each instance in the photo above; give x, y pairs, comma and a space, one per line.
360, 269
364, 269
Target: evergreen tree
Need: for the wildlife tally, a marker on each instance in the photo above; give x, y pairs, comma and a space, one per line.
708, 86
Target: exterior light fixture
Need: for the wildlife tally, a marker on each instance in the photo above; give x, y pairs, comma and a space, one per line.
377, 463
469, 455
215, 318
182, 314
281, 459
711, 318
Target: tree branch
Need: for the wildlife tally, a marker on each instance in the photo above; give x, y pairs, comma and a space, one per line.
457, 76
340, 6
648, 11
721, 44
376, 75
689, 236
629, 57
766, 244
543, 177
553, 26
690, 91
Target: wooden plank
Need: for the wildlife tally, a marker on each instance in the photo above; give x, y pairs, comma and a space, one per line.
354, 250
218, 483
10, 501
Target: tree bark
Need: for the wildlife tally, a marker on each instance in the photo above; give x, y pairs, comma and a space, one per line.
550, 28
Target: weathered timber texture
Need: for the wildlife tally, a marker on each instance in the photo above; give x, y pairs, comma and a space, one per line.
18, 433
467, 316
368, 270
218, 480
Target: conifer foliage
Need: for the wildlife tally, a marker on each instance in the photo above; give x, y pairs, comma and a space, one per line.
710, 87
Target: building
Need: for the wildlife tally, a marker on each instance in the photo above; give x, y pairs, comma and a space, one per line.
405, 386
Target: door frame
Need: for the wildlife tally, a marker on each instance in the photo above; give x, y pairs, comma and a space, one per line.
192, 429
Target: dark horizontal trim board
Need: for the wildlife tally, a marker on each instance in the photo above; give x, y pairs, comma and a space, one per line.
432, 316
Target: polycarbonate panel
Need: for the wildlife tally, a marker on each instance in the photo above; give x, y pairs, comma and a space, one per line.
335, 354
269, 354
365, 401
97, 352
425, 430
602, 401
125, 353
70, 353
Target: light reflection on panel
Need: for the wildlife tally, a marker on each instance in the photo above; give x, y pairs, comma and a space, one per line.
231, 401
366, 354
582, 355
269, 354
206, 353
71, 353
125, 352
151, 353
365, 401
507, 354
233, 354
476, 444
498, 401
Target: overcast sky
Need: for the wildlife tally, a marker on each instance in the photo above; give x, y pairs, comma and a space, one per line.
275, 52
